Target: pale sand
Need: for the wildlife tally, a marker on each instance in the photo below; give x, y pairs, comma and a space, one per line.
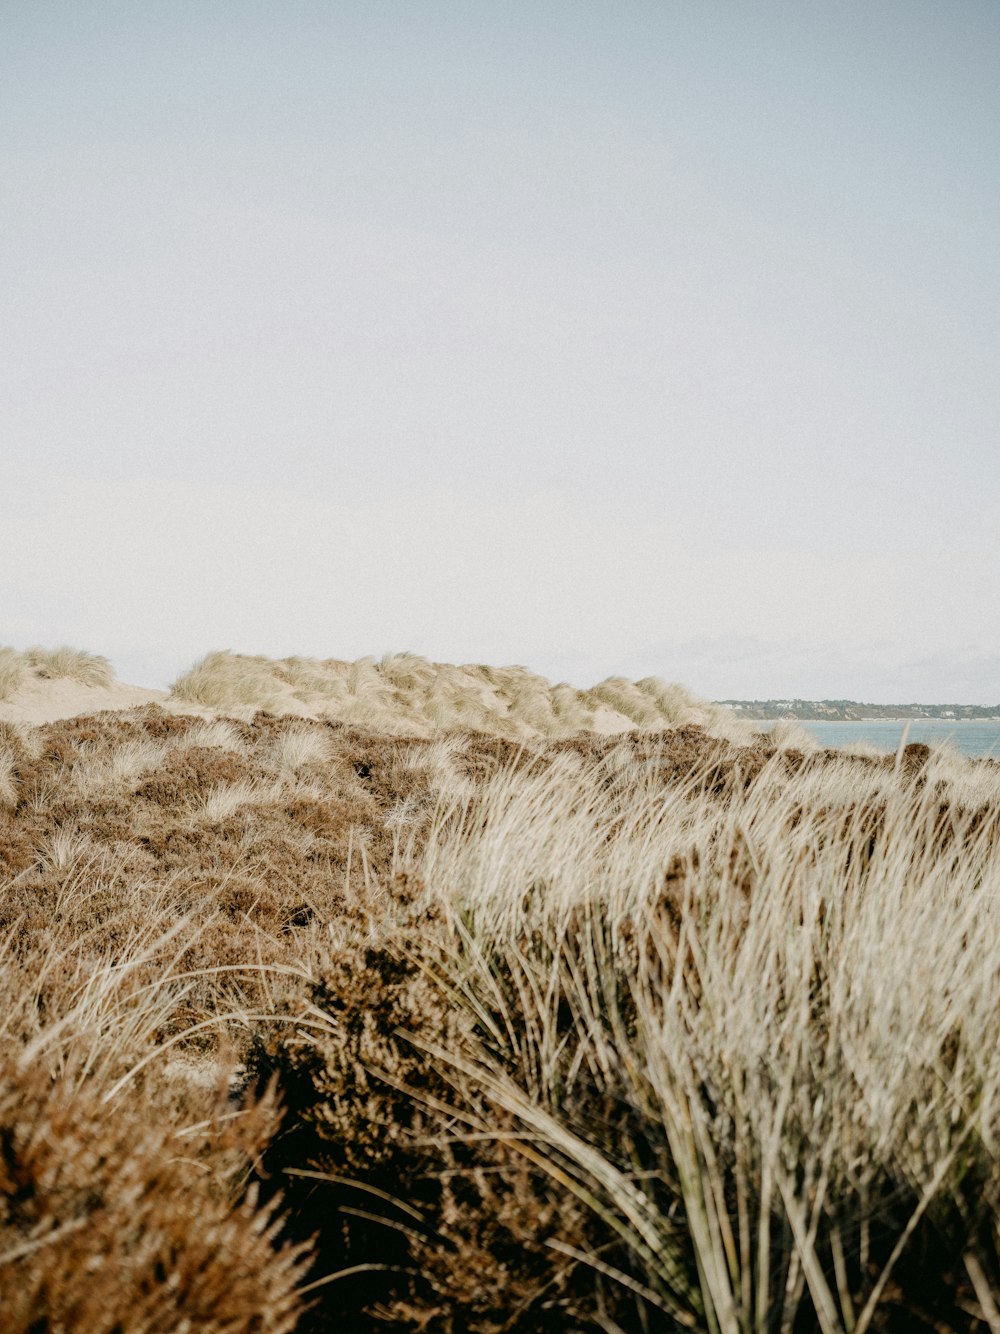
43, 701
609, 722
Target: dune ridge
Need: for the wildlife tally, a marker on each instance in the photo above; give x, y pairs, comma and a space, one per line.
405, 693
401, 694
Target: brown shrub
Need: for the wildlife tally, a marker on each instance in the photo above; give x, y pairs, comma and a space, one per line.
437, 1222
111, 1222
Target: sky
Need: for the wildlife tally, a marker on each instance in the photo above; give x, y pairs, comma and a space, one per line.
607, 338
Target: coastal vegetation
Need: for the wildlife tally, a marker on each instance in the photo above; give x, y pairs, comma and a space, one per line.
309, 1025
89, 669
404, 694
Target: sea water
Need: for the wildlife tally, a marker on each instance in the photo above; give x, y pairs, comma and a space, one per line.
969, 737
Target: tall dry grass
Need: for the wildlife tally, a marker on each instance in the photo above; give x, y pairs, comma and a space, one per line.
655, 1039
89, 669
648, 1032
12, 672
784, 993
226, 681
126, 1201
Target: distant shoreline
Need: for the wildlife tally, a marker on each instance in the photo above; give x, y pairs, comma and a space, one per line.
851, 711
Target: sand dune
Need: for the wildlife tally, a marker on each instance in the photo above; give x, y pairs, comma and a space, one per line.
47, 685
42, 701
400, 694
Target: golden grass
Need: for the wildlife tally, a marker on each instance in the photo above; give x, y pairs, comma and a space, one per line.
12, 672
16, 669
226, 681
645, 1032
741, 1023
789, 996
89, 669
404, 694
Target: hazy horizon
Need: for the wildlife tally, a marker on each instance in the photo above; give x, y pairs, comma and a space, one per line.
149, 673
637, 339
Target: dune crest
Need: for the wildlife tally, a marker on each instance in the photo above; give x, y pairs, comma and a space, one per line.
400, 694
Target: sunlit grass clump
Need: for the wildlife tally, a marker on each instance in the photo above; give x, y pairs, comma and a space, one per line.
781, 997
89, 669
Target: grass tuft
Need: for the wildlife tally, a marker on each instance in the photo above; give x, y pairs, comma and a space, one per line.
12, 672
89, 669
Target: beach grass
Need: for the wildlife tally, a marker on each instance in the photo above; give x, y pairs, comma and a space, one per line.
312, 1026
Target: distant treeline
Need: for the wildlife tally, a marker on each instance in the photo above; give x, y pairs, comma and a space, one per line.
849, 710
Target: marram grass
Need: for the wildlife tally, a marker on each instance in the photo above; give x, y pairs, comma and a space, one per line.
308, 1026
89, 669
786, 992
403, 693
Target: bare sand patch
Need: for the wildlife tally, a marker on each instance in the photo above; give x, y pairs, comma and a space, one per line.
39, 700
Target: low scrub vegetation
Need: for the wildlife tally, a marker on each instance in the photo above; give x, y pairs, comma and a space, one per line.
308, 1026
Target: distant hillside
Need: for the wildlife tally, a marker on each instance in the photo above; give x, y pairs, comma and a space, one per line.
849, 710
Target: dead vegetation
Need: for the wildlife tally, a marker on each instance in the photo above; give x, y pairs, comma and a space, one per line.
308, 1026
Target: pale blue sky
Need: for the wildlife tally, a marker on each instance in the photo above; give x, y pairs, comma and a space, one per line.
634, 337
